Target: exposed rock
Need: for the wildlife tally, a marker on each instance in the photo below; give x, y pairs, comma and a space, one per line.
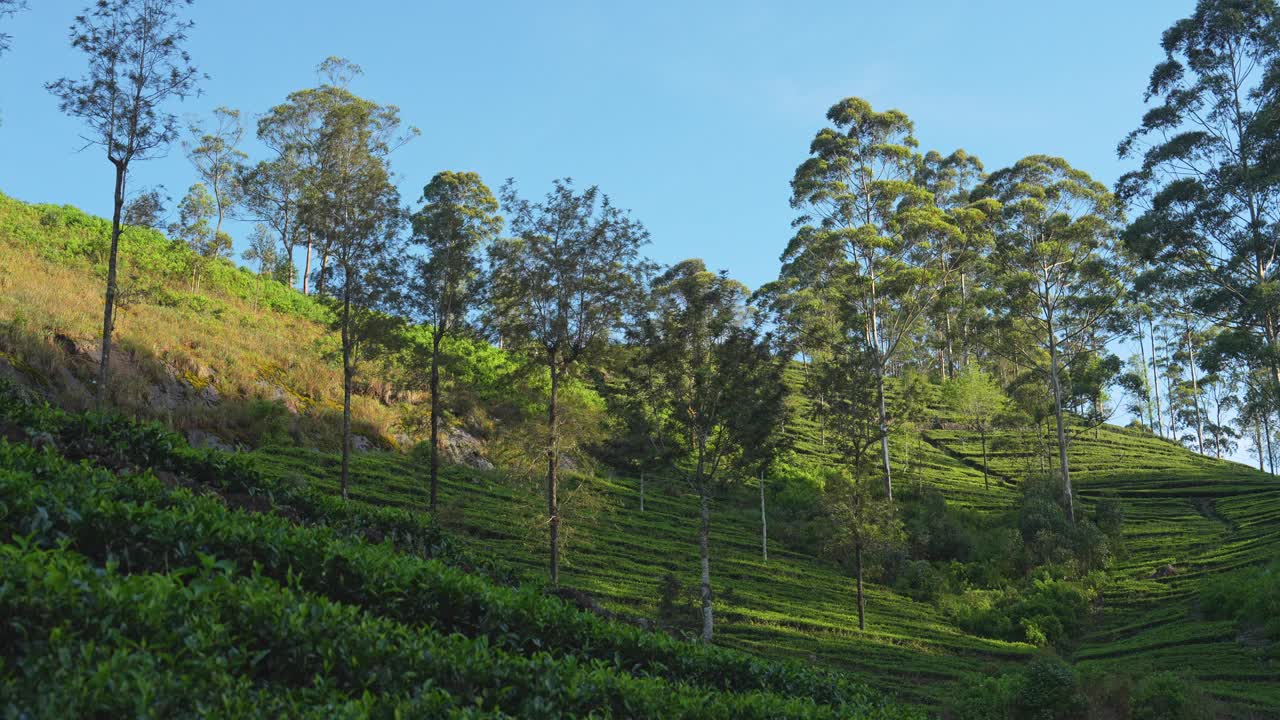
360, 443
76, 347
167, 396
1164, 572
461, 448
209, 394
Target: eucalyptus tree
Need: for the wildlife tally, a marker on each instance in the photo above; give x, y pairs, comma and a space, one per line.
718, 385
275, 189
1207, 185
137, 64
271, 190
953, 319
556, 290
1054, 260
353, 204
1147, 380
458, 218
864, 215
1222, 388
263, 249
216, 155
1136, 383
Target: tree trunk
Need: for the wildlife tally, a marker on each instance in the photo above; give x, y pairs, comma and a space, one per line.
1061, 428
884, 430
873, 330
346, 384
1155, 378
1266, 432
704, 547
1257, 442
109, 303
862, 601
1146, 390
1195, 392
641, 492
764, 524
324, 265
436, 336
553, 468
306, 268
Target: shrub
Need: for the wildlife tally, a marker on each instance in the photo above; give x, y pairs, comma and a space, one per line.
985, 698
921, 580
1049, 690
1250, 596
1166, 696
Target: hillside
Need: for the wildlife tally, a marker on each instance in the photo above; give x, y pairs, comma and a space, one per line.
374, 626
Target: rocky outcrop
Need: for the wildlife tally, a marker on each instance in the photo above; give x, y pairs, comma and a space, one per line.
459, 447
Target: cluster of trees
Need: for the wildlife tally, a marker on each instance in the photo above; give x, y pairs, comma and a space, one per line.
1009, 286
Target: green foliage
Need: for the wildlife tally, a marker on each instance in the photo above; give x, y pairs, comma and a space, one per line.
1050, 690
1250, 596
310, 650
68, 235
1166, 696
1052, 539
145, 527
1045, 612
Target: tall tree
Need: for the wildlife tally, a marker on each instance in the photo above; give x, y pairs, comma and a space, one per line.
717, 385
294, 131
136, 65
355, 206
558, 288
952, 179
866, 216
215, 153
1054, 259
273, 188
1207, 188
263, 249
458, 218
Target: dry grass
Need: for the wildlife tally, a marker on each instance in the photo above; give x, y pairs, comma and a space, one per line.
51, 312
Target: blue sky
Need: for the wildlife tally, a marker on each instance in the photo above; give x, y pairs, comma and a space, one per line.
694, 115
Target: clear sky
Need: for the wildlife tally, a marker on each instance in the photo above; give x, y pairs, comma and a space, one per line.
692, 114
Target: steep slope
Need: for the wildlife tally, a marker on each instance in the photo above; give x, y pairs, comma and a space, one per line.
1187, 517
793, 606
251, 362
